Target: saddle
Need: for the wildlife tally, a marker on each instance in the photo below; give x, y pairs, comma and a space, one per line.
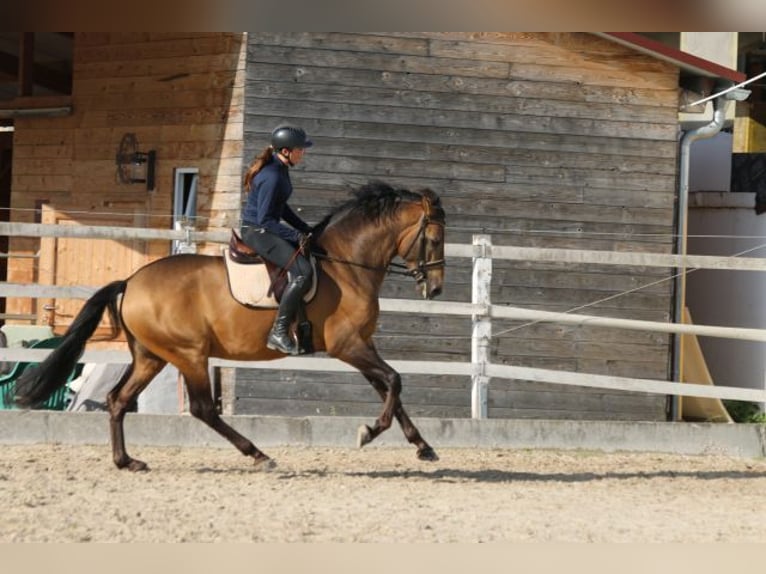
259, 283
240, 253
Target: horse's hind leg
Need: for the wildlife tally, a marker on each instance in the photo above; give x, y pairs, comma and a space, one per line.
202, 407
144, 368
388, 383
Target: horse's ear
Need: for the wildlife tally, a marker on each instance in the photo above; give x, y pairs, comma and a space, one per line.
428, 200
426, 206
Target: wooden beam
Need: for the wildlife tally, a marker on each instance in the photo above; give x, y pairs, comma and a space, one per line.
35, 103
26, 63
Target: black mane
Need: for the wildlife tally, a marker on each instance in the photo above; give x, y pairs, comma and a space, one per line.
372, 201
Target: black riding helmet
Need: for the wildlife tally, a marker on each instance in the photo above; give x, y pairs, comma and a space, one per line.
289, 137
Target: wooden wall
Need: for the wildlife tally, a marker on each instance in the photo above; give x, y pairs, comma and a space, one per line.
557, 140
182, 95
750, 128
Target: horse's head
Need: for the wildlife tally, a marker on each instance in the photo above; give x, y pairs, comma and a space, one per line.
382, 222
422, 245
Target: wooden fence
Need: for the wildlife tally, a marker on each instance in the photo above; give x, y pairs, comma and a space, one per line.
482, 311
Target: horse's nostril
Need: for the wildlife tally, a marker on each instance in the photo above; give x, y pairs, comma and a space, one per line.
436, 292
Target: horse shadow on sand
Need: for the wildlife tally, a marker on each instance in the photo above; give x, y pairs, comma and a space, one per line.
500, 476
489, 476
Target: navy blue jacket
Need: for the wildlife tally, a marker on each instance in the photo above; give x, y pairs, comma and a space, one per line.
267, 203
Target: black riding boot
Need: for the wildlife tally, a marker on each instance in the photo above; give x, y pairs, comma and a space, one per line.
279, 337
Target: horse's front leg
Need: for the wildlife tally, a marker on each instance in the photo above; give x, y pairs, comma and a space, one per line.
388, 383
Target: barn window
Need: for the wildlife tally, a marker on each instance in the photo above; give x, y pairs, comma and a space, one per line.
35, 64
185, 205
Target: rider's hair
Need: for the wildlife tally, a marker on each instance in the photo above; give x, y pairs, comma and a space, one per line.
258, 163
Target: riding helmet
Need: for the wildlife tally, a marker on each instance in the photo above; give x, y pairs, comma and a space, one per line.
289, 137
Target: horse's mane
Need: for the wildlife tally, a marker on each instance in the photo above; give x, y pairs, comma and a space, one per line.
373, 201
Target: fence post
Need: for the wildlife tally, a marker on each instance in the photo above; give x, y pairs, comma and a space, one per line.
481, 334
187, 245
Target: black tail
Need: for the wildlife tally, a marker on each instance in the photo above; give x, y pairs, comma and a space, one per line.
39, 382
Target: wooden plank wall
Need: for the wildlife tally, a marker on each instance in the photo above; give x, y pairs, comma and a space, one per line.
557, 140
750, 128
180, 93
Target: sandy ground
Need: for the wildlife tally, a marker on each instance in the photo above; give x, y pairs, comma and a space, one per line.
62, 493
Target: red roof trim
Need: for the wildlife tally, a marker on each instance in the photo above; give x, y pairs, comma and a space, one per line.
682, 59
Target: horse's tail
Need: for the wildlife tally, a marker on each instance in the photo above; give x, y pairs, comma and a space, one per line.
39, 382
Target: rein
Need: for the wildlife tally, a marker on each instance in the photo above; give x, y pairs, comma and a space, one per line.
418, 272
400, 269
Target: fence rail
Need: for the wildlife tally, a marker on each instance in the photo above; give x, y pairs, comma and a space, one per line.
458, 250
481, 310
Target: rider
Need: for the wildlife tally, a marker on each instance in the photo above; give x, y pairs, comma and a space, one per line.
268, 183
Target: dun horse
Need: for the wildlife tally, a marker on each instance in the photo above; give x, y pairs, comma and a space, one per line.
179, 310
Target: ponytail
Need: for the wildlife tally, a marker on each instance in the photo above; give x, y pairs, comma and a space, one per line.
262, 159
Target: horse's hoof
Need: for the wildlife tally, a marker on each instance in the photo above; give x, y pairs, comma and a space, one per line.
428, 454
363, 436
265, 464
136, 466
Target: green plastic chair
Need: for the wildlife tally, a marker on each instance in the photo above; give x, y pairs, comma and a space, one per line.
57, 401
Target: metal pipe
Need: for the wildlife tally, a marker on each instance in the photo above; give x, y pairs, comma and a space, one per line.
689, 137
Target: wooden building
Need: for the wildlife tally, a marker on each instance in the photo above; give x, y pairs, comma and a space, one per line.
538, 139
178, 94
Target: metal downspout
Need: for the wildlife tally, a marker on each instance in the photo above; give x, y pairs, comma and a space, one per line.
689, 137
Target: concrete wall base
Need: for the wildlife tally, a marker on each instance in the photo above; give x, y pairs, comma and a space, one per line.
742, 440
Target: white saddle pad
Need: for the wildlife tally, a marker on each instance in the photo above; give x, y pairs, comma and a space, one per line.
249, 283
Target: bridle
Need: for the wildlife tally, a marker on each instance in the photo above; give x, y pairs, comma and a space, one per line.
419, 272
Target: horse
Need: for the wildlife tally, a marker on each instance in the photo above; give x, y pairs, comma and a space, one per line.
179, 310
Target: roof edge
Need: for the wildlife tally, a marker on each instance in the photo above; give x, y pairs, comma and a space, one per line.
687, 61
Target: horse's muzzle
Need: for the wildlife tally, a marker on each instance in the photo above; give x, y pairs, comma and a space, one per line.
429, 290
